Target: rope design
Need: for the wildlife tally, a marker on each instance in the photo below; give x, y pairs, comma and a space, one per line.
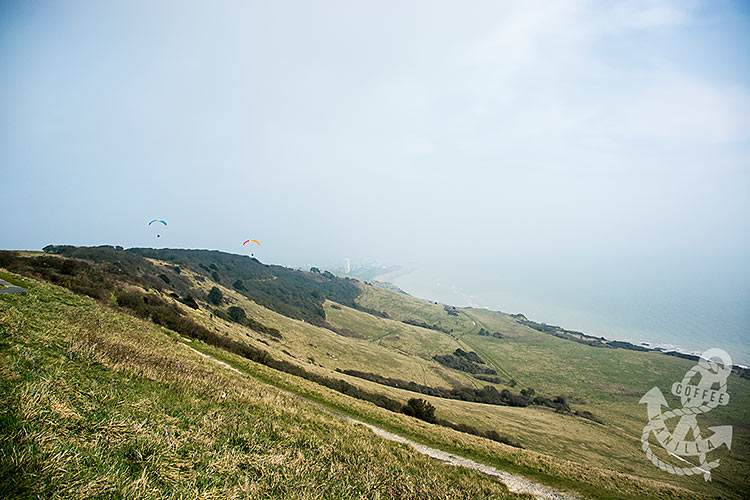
711, 373
705, 468
707, 377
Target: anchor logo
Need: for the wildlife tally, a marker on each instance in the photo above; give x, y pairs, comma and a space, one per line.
696, 398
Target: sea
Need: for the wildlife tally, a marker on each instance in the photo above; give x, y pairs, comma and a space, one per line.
688, 305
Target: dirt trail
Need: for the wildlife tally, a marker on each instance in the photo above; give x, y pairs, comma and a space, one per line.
515, 483
10, 288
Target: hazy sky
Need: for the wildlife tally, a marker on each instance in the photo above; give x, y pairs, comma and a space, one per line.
397, 131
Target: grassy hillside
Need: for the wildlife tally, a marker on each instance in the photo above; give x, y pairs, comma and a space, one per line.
608, 382
99, 404
295, 294
377, 332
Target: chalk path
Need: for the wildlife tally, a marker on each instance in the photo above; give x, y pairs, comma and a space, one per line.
10, 288
514, 482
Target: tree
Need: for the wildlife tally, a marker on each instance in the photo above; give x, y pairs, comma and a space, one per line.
420, 409
215, 296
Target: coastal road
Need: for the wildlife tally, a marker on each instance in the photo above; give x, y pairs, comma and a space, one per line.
10, 288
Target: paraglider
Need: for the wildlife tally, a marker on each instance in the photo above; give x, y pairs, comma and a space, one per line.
253, 241
158, 220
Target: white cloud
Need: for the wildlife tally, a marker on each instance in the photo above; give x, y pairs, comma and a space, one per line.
544, 77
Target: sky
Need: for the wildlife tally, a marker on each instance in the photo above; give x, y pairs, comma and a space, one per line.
535, 133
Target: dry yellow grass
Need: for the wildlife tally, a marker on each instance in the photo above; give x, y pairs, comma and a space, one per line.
150, 354
99, 404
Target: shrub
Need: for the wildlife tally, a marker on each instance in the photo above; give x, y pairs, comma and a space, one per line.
464, 361
190, 302
587, 414
487, 395
485, 333
560, 404
421, 409
215, 296
489, 378
236, 314
132, 301
368, 310
415, 322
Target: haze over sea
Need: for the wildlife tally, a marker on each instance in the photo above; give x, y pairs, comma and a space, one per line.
690, 305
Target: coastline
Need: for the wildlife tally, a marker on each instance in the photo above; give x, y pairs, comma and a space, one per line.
576, 336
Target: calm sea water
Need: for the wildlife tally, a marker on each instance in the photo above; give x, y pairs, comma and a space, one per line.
691, 305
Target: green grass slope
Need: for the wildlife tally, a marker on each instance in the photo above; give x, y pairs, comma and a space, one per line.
98, 404
607, 382
600, 460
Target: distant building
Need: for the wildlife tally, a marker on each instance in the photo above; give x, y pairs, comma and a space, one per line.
347, 265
